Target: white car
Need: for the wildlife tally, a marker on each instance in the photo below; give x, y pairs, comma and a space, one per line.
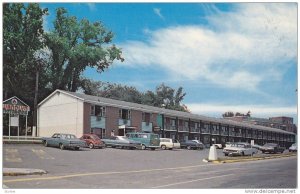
293, 148
167, 143
239, 149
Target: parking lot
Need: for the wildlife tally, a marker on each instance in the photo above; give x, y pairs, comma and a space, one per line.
120, 168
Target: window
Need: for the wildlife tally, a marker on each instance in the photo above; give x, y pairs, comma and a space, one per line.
124, 114
146, 117
186, 123
173, 122
98, 111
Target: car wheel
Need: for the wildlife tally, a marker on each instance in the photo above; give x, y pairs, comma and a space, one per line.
189, 147
226, 154
163, 147
143, 147
76, 148
242, 153
45, 143
61, 146
91, 146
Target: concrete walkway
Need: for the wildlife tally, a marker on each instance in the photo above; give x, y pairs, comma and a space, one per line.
22, 171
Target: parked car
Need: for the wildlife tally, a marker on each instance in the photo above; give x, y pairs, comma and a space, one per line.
272, 148
63, 141
189, 144
167, 143
121, 142
293, 148
148, 140
257, 146
201, 144
228, 144
239, 149
92, 140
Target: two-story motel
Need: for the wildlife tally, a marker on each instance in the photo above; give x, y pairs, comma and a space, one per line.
76, 113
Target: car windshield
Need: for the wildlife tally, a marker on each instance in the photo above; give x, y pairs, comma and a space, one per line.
238, 145
95, 137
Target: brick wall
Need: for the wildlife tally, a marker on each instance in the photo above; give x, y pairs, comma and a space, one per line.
154, 119
86, 118
136, 119
111, 120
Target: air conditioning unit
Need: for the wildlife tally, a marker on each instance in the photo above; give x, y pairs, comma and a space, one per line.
98, 118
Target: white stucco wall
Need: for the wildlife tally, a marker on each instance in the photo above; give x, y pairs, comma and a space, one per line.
60, 114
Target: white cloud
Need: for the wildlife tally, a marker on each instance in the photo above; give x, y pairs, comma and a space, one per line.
239, 49
92, 6
256, 110
158, 13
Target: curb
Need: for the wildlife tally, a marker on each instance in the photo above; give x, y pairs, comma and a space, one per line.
221, 161
22, 171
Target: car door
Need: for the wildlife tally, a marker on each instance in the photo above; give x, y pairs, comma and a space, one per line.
56, 140
50, 140
248, 150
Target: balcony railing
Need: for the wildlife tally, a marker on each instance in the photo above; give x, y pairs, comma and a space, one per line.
170, 128
183, 128
195, 130
147, 126
205, 131
124, 122
215, 132
238, 134
259, 136
97, 122
248, 135
224, 133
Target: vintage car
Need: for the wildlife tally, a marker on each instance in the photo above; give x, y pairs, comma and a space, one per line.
199, 142
293, 148
121, 142
189, 144
272, 148
239, 149
92, 140
63, 141
167, 143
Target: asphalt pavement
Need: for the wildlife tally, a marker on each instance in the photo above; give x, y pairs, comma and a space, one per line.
117, 168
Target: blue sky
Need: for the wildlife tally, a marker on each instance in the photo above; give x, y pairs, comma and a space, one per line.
227, 57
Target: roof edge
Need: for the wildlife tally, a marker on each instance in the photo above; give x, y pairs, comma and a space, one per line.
58, 91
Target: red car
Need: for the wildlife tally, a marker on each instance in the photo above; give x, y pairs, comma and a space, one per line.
92, 141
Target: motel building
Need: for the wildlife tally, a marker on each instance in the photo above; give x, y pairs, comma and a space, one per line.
76, 113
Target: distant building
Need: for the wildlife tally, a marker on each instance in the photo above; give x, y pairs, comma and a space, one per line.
283, 123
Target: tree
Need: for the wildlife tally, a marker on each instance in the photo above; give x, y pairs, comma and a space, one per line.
163, 95
75, 45
22, 37
228, 114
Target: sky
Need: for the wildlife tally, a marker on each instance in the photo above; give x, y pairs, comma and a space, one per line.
227, 56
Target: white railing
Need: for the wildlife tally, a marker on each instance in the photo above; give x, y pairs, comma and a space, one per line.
24, 139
